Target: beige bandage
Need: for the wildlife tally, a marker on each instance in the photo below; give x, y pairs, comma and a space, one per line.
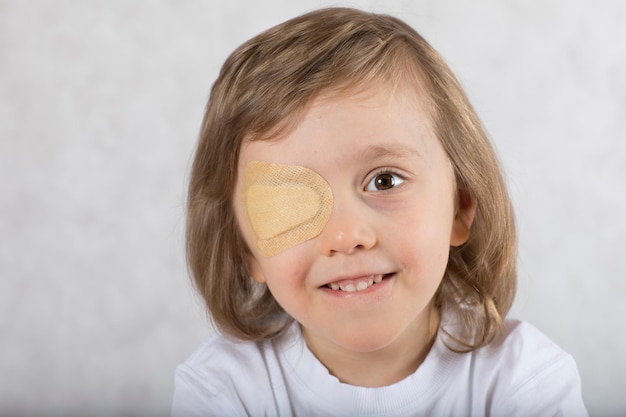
285, 205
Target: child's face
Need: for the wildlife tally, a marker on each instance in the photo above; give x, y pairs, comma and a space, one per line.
393, 217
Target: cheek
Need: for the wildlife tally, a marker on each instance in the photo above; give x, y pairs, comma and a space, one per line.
422, 241
285, 271
286, 278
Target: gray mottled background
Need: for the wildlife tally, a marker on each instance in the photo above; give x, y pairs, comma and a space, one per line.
100, 104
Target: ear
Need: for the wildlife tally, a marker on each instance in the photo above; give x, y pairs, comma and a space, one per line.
463, 218
255, 270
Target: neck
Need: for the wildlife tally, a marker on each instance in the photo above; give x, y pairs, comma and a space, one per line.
384, 366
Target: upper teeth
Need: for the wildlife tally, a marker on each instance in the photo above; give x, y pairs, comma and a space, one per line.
350, 286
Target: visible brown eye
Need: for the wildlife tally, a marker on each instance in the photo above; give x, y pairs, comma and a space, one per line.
384, 181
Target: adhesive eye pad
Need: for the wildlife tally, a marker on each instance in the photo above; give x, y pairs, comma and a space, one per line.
286, 205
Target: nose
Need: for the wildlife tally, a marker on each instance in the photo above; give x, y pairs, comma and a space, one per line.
349, 229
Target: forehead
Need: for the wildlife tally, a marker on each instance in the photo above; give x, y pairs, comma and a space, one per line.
382, 120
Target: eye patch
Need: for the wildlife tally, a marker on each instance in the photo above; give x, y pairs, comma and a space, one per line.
285, 205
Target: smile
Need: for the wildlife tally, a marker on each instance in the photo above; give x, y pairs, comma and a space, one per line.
355, 285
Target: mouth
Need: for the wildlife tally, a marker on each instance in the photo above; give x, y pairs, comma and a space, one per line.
357, 284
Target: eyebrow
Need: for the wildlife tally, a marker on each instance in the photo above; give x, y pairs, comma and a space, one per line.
387, 151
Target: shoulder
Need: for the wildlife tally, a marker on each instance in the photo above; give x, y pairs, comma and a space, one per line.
218, 353
219, 360
522, 342
525, 369
219, 370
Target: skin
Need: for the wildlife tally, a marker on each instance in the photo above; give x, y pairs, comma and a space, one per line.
401, 229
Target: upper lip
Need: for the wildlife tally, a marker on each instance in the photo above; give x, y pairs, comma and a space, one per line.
354, 277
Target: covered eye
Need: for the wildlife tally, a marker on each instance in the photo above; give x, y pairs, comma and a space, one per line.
383, 181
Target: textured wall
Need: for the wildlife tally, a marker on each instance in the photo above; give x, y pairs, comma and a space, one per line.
100, 104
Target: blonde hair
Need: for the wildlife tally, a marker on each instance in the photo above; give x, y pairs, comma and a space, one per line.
262, 90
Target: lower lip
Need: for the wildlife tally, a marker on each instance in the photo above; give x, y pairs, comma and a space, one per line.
377, 289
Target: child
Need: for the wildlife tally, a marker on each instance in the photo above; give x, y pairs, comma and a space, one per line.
350, 231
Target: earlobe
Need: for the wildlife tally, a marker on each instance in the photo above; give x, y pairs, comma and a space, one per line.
463, 218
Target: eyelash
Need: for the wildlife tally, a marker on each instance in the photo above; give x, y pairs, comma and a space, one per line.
397, 179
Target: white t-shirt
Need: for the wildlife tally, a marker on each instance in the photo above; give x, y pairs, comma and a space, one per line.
522, 373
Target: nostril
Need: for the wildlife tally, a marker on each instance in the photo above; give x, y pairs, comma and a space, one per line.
347, 231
